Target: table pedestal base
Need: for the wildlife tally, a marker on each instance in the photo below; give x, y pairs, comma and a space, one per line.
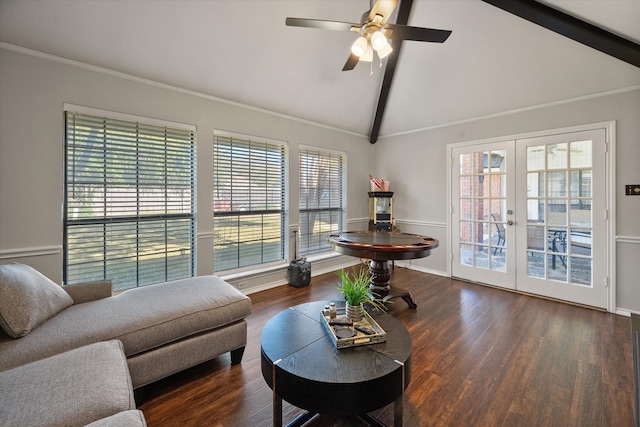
301, 420
380, 275
400, 293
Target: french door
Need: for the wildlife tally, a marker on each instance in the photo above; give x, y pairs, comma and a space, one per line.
530, 214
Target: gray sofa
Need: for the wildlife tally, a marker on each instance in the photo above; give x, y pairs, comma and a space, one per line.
163, 328
89, 385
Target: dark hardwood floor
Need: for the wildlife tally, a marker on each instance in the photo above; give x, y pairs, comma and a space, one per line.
481, 357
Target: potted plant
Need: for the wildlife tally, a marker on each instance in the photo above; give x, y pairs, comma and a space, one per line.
355, 287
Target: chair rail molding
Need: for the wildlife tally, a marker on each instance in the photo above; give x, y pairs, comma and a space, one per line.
29, 252
628, 239
421, 223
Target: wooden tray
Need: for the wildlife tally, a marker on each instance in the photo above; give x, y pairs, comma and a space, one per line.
360, 338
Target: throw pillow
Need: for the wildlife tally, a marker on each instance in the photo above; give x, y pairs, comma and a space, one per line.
27, 299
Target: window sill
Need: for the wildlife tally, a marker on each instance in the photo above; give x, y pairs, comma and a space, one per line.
322, 255
252, 271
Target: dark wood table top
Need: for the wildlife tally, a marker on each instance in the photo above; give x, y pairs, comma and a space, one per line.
382, 245
311, 373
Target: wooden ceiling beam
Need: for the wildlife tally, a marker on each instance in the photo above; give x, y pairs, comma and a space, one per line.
403, 18
572, 27
535, 12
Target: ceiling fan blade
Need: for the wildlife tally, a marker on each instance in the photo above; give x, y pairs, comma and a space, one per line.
384, 8
351, 63
404, 32
319, 23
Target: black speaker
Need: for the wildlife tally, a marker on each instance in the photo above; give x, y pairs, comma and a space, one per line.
299, 273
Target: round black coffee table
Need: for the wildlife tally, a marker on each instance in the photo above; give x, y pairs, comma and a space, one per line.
302, 366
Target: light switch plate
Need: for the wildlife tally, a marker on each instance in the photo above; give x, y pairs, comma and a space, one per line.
632, 190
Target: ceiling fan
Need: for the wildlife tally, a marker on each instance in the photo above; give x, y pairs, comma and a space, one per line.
374, 32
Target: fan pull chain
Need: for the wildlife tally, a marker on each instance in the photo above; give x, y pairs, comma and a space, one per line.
371, 72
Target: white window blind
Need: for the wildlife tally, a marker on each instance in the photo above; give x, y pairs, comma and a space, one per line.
322, 201
129, 201
249, 202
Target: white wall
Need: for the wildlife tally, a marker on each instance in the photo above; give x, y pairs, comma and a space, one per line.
33, 90
415, 164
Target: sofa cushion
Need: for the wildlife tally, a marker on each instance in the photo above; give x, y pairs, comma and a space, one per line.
69, 389
27, 299
143, 319
131, 418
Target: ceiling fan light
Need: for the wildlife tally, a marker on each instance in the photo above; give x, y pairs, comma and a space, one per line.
385, 51
359, 47
378, 40
368, 55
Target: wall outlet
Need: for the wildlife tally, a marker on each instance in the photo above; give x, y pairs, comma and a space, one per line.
242, 284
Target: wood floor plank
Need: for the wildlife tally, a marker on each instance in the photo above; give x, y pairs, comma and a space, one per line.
481, 357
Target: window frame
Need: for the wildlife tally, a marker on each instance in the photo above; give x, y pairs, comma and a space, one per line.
165, 224
238, 209
322, 245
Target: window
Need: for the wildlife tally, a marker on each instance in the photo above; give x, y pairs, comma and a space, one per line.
248, 201
321, 202
129, 201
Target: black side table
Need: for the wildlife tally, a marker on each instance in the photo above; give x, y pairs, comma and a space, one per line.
301, 365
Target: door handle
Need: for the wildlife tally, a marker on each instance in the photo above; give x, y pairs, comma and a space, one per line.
509, 222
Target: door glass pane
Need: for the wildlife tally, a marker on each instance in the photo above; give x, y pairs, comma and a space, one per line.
484, 228
580, 183
482, 256
580, 154
557, 156
581, 270
466, 186
557, 184
536, 238
466, 208
557, 240
497, 186
535, 210
535, 264
556, 212
466, 255
466, 163
535, 158
497, 161
482, 210
557, 267
486, 208
497, 208
466, 231
498, 233
580, 213
535, 184
498, 258
580, 241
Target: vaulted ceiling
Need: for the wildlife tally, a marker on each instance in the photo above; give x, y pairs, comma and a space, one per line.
241, 51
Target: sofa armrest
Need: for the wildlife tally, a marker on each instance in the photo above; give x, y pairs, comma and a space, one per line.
89, 291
